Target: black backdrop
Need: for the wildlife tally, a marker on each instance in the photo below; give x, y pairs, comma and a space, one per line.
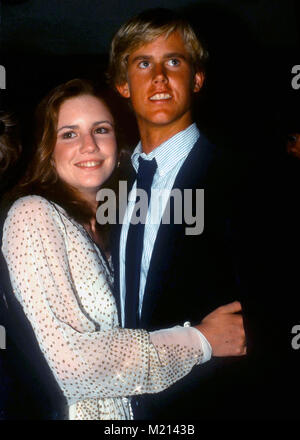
247, 102
253, 46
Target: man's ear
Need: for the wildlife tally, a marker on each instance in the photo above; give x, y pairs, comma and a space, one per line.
123, 89
198, 81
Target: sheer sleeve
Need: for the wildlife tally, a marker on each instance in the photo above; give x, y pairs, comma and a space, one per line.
87, 361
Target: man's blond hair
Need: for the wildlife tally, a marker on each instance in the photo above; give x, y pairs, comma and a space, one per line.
143, 29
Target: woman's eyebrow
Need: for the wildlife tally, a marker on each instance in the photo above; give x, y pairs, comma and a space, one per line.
103, 122
72, 127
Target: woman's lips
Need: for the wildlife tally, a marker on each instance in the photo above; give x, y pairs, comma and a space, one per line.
89, 164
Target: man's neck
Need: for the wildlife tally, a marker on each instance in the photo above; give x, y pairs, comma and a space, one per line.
152, 137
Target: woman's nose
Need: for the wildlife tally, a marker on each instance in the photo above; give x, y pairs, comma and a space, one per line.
88, 144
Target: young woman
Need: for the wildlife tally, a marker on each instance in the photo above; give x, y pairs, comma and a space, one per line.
60, 270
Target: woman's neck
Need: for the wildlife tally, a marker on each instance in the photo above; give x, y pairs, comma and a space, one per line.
95, 234
91, 226
90, 198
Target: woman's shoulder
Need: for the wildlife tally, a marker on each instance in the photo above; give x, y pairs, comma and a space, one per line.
34, 211
31, 207
31, 203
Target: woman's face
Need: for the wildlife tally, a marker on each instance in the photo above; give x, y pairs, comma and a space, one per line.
85, 152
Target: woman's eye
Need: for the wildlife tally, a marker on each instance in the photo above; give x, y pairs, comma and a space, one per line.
173, 62
68, 135
144, 64
101, 130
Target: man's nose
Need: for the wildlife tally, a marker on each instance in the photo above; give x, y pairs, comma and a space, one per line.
88, 144
159, 74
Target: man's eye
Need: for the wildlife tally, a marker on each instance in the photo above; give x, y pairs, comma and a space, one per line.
68, 135
101, 130
173, 62
144, 64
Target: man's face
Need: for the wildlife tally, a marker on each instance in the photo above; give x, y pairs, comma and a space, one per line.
161, 83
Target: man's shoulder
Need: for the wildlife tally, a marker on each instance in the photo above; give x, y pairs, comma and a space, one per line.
220, 159
198, 162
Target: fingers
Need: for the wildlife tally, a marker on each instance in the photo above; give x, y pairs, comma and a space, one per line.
233, 307
225, 331
235, 344
240, 350
240, 343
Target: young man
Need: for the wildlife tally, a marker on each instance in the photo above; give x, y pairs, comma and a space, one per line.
167, 272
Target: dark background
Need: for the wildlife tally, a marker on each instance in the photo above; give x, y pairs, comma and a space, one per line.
247, 103
253, 45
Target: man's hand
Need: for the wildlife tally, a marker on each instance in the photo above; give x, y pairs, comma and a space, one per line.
224, 330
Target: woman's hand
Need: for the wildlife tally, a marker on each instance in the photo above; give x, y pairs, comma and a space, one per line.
224, 330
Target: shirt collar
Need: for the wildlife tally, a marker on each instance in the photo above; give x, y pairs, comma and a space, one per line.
170, 152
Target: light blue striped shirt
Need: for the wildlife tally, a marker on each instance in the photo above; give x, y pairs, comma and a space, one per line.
169, 156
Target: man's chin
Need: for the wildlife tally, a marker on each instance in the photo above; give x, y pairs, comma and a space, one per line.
161, 119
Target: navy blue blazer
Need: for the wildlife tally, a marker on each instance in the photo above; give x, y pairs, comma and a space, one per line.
189, 276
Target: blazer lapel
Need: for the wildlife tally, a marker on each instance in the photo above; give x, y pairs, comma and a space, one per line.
191, 175
115, 242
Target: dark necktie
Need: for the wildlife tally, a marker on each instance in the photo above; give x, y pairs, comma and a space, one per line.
134, 245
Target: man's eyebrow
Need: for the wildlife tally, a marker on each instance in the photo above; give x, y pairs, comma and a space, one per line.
141, 58
175, 55
165, 56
